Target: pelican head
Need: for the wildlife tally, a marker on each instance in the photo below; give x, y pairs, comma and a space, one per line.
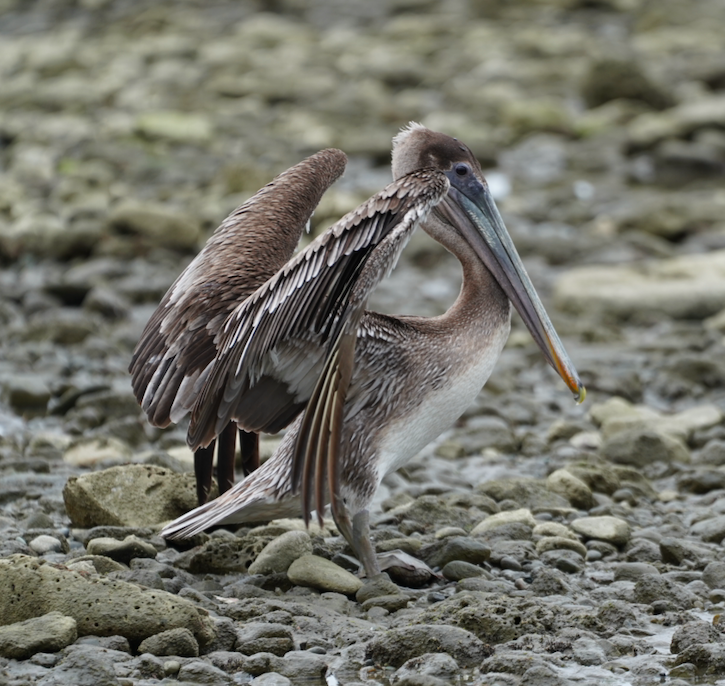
469, 210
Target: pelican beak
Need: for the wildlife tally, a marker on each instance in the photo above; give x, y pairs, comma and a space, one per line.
470, 205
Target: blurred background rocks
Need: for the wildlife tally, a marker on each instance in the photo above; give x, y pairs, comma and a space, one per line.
130, 128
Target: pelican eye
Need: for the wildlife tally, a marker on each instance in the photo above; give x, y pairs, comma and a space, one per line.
462, 169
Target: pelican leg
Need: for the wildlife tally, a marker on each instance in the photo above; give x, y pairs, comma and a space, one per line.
362, 545
225, 457
203, 465
249, 446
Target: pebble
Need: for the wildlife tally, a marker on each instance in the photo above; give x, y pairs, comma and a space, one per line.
520, 516
45, 634
317, 572
608, 529
281, 552
123, 551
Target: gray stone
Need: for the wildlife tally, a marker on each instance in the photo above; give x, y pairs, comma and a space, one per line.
605, 528
522, 516
198, 672
270, 679
85, 666
391, 603
280, 553
263, 637
548, 543
714, 574
45, 634
527, 493
379, 585
30, 588
631, 571
675, 550
640, 447
158, 225
26, 391
397, 646
463, 548
455, 570
45, 544
654, 588
440, 665
694, 633
686, 287
180, 642
317, 572
711, 530
572, 488
122, 551
130, 495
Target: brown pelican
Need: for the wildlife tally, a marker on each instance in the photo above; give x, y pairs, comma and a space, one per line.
375, 388
177, 343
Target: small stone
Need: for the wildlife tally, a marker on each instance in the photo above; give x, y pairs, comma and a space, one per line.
438, 665
48, 633
379, 585
465, 548
122, 551
198, 672
458, 569
391, 603
560, 543
270, 679
45, 544
521, 516
157, 225
631, 571
711, 530
179, 127
640, 447
280, 553
694, 633
573, 489
605, 528
714, 574
263, 637
179, 642
317, 572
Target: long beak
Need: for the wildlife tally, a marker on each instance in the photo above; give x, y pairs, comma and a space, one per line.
481, 225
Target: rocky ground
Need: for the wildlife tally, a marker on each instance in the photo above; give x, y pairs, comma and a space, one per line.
571, 545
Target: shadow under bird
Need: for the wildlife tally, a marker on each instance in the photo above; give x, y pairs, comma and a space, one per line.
364, 392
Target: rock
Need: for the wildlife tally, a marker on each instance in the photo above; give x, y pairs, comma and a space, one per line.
560, 543
686, 287
463, 548
130, 495
155, 225
270, 679
613, 78
654, 588
711, 530
30, 588
522, 516
46, 544
122, 551
713, 453
714, 574
528, 493
640, 447
694, 633
708, 658
263, 637
631, 571
458, 569
87, 453
487, 432
391, 603
311, 570
198, 672
26, 392
85, 666
377, 586
396, 646
675, 550
100, 564
281, 552
609, 529
48, 633
573, 489
701, 481
439, 665
178, 127
179, 642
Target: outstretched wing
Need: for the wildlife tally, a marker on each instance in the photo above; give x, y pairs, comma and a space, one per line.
256, 240
274, 346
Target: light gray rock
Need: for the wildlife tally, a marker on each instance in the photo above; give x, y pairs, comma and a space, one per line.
264, 637
45, 634
158, 225
180, 642
711, 530
572, 488
45, 544
30, 588
682, 287
521, 516
317, 572
560, 543
440, 665
198, 672
270, 679
279, 554
122, 551
129, 495
640, 447
85, 666
714, 574
606, 528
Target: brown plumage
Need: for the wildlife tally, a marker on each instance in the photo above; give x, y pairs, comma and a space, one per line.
375, 389
177, 343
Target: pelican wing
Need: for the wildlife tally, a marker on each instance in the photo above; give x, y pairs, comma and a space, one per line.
274, 347
248, 248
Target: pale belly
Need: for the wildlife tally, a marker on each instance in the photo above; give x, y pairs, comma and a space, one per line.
406, 436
